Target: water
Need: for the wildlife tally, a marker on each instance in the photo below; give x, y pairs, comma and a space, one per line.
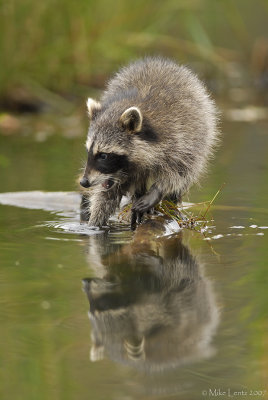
174, 314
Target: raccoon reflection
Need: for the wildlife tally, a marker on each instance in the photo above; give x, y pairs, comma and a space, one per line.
152, 309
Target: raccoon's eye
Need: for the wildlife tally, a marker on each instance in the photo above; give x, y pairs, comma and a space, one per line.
103, 156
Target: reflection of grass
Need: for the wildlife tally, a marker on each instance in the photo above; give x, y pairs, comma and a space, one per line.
188, 217
66, 45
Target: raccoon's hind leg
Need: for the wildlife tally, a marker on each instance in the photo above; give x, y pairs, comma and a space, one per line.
103, 204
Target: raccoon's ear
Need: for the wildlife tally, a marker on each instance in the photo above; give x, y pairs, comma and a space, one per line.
131, 120
92, 107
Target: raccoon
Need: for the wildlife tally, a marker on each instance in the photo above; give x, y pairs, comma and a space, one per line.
150, 137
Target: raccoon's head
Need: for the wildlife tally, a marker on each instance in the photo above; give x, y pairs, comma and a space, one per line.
108, 145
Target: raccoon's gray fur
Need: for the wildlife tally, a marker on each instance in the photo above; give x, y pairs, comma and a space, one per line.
150, 136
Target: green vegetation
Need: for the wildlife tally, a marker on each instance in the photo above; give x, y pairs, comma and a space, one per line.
66, 45
192, 216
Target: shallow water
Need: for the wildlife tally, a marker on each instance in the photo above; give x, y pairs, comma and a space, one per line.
173, 314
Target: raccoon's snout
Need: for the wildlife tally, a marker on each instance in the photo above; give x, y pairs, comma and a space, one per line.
85, 182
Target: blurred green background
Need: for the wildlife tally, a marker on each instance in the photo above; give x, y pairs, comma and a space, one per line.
64, 47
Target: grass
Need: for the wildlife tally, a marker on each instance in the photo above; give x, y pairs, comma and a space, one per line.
67, 46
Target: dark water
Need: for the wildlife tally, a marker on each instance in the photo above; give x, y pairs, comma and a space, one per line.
172, 314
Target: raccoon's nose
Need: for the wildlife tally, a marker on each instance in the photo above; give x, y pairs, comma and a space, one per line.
85, 182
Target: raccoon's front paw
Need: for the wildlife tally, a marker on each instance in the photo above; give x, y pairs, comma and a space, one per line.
84, 208
141, 205
96, 222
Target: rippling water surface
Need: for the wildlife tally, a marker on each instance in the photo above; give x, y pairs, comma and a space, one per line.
111, 314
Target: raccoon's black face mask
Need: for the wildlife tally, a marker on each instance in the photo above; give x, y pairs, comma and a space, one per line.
109, 163
105, 169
